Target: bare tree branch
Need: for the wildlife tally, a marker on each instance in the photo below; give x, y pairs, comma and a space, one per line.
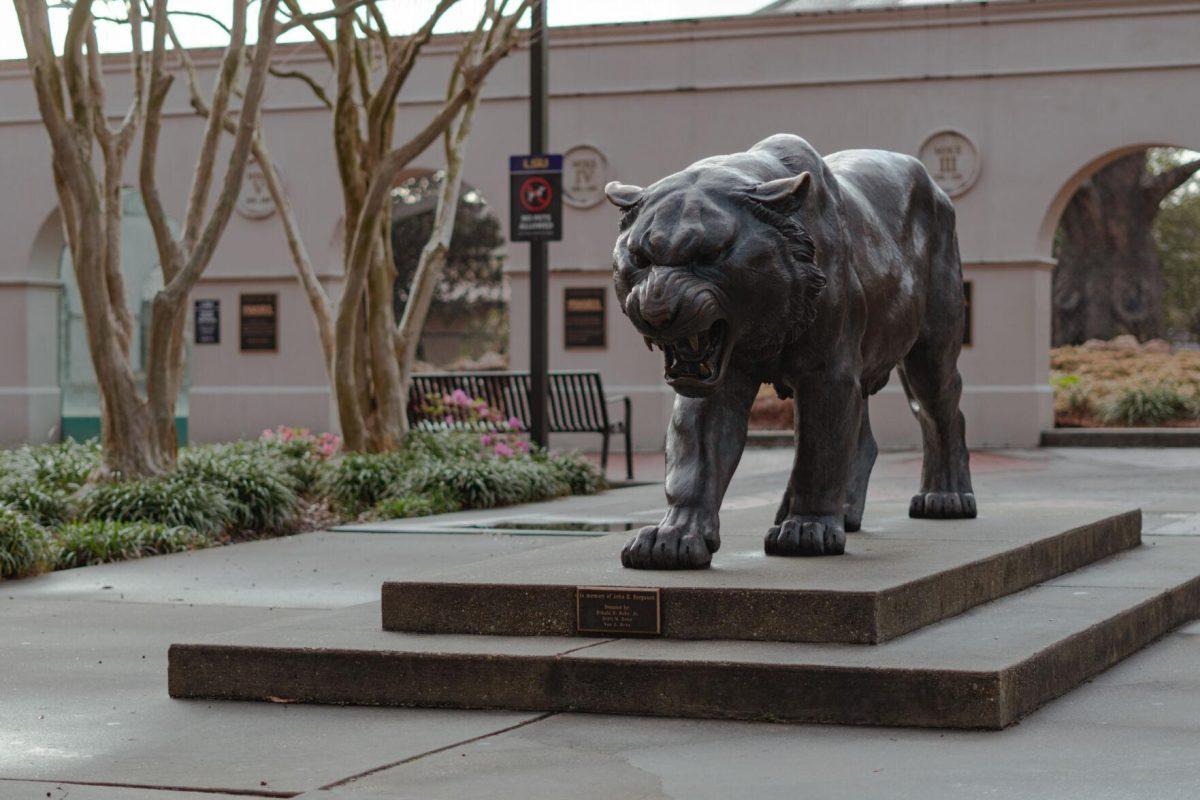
308, 80
169, 252
243, 139
231, 62
381, 109
201, 15
317, 34
1167, 181
310, 19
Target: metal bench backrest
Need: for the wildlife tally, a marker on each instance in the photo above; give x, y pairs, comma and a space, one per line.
576, 397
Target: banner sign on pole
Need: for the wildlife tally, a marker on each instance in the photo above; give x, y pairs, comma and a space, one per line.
535, 198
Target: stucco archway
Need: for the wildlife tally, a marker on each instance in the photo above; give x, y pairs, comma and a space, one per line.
1054, 211
57, 341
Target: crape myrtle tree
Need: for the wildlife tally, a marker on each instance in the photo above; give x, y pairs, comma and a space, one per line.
368, 353
88, 157
1109, 279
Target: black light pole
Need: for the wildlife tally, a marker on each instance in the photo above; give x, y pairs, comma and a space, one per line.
539, 289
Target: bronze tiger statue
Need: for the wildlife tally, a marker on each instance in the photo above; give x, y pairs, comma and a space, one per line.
818, 275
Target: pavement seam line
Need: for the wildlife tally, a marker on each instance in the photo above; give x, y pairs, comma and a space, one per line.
408, 760
162, 788
585, 647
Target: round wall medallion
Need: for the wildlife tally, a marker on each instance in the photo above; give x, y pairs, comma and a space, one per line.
585, 171
953, 161
254, 201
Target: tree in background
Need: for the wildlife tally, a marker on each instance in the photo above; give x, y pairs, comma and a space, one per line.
1177, 235
89, 155
1109, 279
470, 287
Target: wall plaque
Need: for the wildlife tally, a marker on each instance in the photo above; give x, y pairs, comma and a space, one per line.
952, 160
259, 322
583, 317
207, 322
254, 200
618, 611
585, 171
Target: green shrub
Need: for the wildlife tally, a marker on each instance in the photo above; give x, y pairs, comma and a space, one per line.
259, 489
64, 466
358, 481
45, 505
488, 482
576, 471
26, 548
1147, 406
81, 544
416, 505
441, 472
172, 501
303, 453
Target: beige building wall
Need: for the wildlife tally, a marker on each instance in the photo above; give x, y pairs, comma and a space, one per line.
1047, 92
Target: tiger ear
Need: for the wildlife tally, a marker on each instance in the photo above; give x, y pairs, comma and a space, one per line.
789, 192
622, 195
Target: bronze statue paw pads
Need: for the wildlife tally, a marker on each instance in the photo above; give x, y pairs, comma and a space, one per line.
666, 547
943, 505
799, 538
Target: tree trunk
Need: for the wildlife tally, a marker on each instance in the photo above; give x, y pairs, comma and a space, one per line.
1109, 280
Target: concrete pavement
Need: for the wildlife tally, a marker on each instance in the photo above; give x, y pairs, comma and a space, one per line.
84, 711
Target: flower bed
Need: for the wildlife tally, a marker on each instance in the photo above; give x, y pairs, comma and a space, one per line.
1125, 384
1120, 383
288, 481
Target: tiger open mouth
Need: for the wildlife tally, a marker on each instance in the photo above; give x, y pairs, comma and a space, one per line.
694, 363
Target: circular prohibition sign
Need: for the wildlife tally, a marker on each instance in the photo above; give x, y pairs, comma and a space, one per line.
536, 194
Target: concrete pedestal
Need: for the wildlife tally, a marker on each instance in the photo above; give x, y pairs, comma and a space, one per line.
983, 668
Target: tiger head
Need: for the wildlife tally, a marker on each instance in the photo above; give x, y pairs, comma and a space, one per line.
710, 263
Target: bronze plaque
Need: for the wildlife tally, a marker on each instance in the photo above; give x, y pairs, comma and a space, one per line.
259, 322
584, 317
617, 611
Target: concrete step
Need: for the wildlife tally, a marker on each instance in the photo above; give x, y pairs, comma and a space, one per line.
1121, 437
897, 575
985, 668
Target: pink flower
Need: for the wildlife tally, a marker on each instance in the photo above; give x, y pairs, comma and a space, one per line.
449, 420
460, 397
523, 445
514, 423
484, 412
485, 440
503, 450
268, 434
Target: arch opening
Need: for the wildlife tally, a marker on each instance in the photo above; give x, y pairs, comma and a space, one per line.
79, 392
467, 326
1125, 297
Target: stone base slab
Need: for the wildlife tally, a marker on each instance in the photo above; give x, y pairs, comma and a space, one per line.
897, 575
1121, 437
983, 669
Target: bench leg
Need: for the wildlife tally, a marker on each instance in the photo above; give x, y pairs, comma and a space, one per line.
604, 456
628, 455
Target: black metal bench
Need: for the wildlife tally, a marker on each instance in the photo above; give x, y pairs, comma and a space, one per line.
577, 403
